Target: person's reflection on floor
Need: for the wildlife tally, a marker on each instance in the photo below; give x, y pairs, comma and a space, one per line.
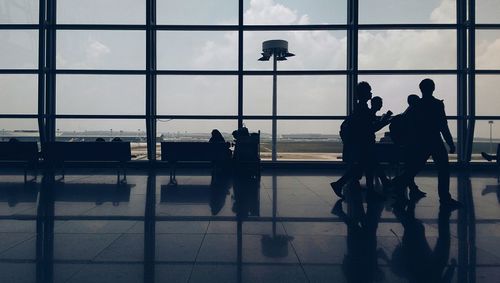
360, 264
413, 258
246, 189
220, 185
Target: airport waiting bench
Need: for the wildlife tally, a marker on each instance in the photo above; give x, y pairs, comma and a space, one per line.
23, 152
58, 153
175, 152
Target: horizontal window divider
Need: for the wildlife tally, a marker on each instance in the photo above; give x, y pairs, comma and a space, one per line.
198, 117
294, 27
196, 72
487, 26
295, 72
407, 72
197, 27
100, 72
18, 71
291, 117
486, 118
84, 116
19, 116
20, 26
252, 72
98, 27
406, 26
486, 72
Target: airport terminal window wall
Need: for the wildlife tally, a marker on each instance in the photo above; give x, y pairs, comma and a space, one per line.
154, 70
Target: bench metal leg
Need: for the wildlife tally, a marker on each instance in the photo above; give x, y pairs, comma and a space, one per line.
172, 180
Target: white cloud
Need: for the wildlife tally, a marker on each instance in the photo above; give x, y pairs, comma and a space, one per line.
269, 12
445, 12
95, 49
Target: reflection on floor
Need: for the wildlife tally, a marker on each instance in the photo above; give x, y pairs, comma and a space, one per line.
285, 227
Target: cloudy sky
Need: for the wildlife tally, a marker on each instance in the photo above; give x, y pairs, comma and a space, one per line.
217, 50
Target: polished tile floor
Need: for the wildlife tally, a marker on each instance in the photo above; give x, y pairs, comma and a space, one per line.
286, 226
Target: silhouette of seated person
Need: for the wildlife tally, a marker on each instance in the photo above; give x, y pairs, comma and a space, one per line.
216, 137
14, 140
360, 263
100, 140
413, 258
116, 139
427, 126
246, 145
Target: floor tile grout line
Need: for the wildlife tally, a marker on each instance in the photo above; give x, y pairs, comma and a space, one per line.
198, 252
296, 254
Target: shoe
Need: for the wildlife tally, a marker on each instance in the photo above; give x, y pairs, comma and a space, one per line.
416, 193
337, 189
337, 208
451, 204
486, 156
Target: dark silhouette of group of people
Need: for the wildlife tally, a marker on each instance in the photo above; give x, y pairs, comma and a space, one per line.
417, 133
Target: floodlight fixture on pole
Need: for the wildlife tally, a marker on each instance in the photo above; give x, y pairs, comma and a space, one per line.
278, 49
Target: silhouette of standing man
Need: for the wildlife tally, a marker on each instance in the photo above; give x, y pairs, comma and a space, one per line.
427, 122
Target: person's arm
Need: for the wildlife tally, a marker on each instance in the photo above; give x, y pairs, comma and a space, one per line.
445, 130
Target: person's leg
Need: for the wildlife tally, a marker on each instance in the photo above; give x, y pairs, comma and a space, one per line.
440, 157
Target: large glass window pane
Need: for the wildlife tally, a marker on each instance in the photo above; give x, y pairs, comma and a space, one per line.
297, 95
19, 11
487, 95
309, 140
19, 94
296, 12
101, 49
101, 11
487, 49
314, 50
88, 130
101, 94
407, 11
395, 89
197, 95
486, 138
18, 49
488, 12
21, 129
172, 130
196, 12
407, 49
299, 139
202, 50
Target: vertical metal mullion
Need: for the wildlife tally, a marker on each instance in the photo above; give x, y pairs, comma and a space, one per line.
352, 52
41, 70
471, 77
50, 105
151, 78
461, 80
240, 64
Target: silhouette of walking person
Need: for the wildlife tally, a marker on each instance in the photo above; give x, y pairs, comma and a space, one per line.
426, 124
399, 134
358, 136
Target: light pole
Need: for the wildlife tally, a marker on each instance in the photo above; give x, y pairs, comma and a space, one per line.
278, 49
491, 136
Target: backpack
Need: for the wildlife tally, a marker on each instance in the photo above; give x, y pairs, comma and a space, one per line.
346, 131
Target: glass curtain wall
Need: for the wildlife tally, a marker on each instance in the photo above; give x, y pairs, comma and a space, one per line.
162, 70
